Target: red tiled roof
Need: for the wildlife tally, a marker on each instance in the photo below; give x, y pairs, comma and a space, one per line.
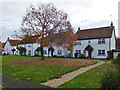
14, 42
102, 32
29, 39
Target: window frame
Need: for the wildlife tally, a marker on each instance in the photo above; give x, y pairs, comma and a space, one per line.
44, 51
59, 52
101, 41
101, 52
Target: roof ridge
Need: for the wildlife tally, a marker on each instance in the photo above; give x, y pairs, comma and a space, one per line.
95, 28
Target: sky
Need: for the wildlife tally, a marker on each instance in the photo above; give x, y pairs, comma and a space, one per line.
82, 13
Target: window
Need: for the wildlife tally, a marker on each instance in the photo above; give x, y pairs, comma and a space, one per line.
101, 52
101, 41
29, 52
84, 51
45, 51
29, 46
78, 51
78, 42
59, 52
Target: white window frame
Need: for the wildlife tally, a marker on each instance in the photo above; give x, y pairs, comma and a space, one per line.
101, 52
101, 41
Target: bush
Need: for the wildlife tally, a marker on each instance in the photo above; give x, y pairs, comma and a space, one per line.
110, 55
116, 62
61, 56
110, 79
76, 55
82, 56
55, 56
37, 55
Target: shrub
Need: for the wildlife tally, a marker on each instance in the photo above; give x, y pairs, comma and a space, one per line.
110, 54
37, 55
82, 56
110, 79
116, 62
55, 56
76, 55
61, 56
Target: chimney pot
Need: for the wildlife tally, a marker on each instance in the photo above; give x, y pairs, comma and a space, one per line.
79, 28
111, 23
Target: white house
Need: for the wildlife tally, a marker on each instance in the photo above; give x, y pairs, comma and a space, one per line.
33, 48
95, 42
10, 46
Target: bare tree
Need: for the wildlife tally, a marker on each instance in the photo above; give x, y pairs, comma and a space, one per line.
50, 25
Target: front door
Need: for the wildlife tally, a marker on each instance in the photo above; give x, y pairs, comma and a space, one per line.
29, 53
51, 53
13, 52
89, 54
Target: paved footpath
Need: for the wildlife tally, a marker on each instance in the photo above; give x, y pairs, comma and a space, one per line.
56, 82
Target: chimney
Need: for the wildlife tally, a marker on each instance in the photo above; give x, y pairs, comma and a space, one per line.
111, 24
78, 28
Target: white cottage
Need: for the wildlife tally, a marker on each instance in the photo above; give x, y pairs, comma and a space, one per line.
10, 46
95, 42
33, 48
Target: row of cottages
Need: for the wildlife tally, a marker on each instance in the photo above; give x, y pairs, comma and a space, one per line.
93, 43
32, 48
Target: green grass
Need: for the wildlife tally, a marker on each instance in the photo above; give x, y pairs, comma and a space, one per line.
35, 73
89, 79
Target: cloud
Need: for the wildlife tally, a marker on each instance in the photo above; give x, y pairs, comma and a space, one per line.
82, 13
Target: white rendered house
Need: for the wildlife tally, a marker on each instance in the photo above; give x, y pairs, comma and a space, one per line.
32, 48
10, 46
95, 42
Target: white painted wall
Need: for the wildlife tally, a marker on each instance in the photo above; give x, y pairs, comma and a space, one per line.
95, 45
113, 40
33, 47
9, 48
115, 54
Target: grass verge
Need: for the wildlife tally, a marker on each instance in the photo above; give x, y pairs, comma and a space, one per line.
34, 70
89, 79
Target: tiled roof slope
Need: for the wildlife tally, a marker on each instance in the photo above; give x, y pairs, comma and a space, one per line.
14, 42
94, 33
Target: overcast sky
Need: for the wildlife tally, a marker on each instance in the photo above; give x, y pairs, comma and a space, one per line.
82, 13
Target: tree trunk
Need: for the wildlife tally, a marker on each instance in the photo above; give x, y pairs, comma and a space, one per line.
42, 55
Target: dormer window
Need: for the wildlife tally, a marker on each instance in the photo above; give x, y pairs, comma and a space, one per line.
101, 41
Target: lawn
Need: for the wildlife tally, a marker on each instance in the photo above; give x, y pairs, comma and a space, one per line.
89, 79
34, 70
